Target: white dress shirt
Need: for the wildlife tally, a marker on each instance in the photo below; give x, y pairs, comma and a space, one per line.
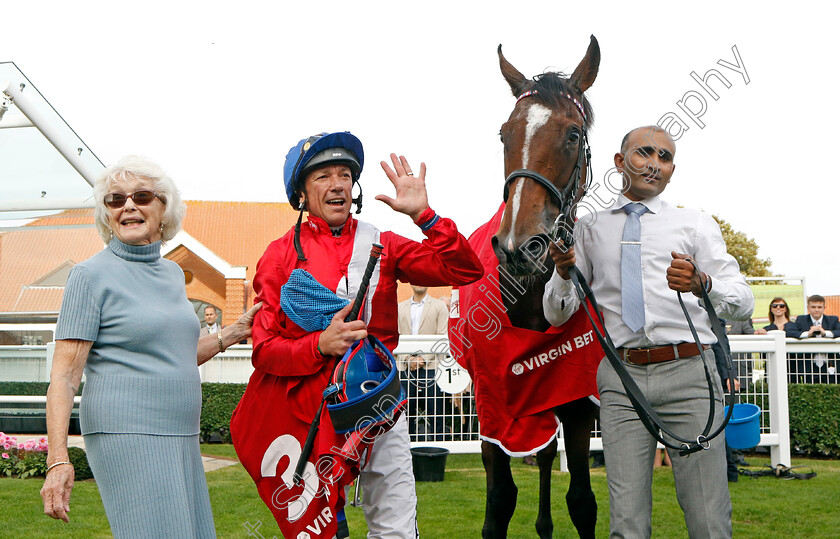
664, 228
416, 314
213, 329
815, 322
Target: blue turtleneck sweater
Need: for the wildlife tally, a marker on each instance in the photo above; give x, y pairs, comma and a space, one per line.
141, 373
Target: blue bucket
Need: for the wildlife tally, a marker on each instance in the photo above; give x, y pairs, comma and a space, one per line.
743, 430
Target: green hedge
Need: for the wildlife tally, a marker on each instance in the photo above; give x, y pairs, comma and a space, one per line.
78, 458
814, 412
217, 404
28, 388
815, 418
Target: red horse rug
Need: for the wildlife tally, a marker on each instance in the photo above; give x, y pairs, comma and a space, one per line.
518, 375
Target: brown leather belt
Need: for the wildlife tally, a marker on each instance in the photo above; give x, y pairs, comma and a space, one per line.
658, 354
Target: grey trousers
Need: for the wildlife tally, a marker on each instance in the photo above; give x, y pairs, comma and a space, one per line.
679, 394
390, 501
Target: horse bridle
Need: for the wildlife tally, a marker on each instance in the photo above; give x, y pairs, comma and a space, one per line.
643, 408
565, 197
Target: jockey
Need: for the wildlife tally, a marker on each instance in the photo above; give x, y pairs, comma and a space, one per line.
293, 365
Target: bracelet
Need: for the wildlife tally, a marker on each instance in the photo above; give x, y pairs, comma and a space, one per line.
221, 346
53, 465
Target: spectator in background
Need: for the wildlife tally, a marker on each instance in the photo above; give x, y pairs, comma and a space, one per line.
661, 458
733, 457
741, 362
813, 325
211, 315
779, 316
739, 327
742, 365
422, 314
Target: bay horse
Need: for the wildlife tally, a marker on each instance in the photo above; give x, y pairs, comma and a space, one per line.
546, 166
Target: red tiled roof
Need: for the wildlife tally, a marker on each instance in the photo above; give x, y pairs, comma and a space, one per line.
39, 300
237, 232
832, 305
27, 255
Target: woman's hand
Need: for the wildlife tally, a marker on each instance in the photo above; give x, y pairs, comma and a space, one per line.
69, 361
56, 491
411, 190
208, 346
241, 329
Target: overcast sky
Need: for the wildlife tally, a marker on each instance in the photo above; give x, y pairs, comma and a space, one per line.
217, 92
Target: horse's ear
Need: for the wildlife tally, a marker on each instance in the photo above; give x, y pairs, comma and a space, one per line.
518, 83
587, 69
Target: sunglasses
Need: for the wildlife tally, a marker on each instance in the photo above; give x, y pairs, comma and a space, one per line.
140, 198
777, 305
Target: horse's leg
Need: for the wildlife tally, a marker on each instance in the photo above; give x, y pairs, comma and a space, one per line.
545, 459
501, 492
578, 419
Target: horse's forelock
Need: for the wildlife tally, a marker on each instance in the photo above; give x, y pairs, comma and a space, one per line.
552, 88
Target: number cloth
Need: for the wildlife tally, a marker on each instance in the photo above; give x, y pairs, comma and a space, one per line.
272, 420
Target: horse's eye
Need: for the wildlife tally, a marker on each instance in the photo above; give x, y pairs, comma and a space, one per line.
574, 136
502, 138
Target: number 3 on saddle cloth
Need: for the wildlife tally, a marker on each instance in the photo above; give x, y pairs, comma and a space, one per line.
271, 423
518, 375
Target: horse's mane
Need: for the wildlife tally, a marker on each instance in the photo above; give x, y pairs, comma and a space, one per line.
552, 88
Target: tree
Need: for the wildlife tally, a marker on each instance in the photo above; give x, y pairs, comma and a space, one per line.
745, 251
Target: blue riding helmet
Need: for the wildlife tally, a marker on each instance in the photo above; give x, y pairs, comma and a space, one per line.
318, 150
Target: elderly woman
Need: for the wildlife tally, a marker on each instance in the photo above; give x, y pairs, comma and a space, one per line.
126, 321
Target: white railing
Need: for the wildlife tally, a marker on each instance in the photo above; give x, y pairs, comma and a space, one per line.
30, 399
27, 363
442, 411
233, 366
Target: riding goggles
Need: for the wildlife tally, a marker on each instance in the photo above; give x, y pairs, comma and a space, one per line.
140, 198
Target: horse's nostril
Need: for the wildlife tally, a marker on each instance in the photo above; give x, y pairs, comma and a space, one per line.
536, 246
503, 254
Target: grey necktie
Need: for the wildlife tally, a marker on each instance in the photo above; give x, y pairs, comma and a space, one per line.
632, 297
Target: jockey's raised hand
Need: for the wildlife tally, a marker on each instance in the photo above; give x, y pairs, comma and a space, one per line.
411, 190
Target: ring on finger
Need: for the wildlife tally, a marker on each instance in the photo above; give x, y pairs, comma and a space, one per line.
409, 174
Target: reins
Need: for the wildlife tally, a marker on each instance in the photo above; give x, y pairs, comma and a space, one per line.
647, 415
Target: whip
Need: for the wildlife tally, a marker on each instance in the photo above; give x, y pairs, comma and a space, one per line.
331, 390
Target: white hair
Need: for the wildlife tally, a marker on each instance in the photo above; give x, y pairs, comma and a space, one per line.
136, 166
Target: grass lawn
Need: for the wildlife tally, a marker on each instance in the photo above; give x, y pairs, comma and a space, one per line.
763, 507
